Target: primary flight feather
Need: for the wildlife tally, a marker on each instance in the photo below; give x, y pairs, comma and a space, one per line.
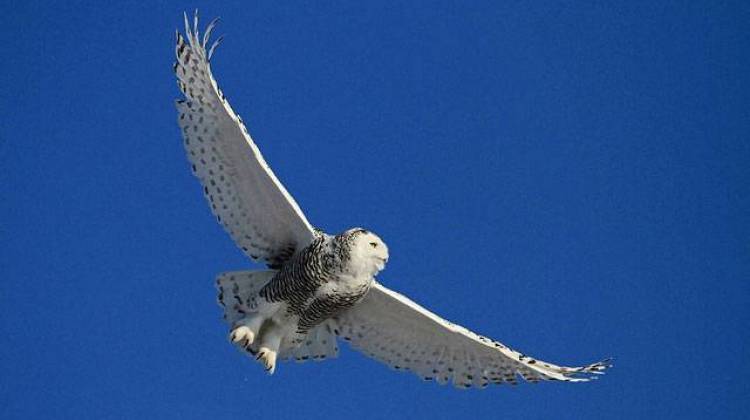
318, 287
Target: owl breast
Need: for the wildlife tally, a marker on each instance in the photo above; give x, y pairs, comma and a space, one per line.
318, 283
331, 297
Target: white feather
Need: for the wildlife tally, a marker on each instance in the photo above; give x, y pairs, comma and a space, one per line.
238, 295
266, 222
393, 329
244, 194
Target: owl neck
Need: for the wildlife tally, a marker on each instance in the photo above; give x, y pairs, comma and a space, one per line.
361, 267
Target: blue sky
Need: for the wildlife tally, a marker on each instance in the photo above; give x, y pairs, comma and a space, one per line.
570, 179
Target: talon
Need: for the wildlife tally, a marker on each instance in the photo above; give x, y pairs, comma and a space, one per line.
242, 333
268, 358
234, 337
270, 368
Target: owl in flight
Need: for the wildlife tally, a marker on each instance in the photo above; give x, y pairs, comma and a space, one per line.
318, 287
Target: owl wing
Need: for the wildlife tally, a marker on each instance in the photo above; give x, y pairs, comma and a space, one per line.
244, 194
319, 344
398, 332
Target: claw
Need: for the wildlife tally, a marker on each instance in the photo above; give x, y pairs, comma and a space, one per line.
242, 333
268, 358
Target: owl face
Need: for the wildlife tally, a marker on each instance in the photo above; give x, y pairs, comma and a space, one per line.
368, 252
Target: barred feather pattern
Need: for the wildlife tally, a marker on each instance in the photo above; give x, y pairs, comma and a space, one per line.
299, 281
267, 224
238, 295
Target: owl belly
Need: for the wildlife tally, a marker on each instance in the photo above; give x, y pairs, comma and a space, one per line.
331, 298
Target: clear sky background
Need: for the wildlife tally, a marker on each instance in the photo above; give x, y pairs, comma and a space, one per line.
571, 179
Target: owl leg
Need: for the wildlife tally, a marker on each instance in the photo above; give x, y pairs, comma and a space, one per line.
269, 347
246, 329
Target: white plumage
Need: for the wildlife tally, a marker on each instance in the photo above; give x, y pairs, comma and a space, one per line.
243, 192
320, 286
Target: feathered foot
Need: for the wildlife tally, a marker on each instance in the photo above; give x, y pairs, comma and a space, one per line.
268, 358
269, 348
242, 335
246, 330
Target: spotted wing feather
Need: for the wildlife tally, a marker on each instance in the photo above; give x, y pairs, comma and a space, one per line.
393, 329
238, 292
244, 194
320, 344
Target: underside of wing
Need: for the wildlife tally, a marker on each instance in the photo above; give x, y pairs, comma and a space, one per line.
320, 344
244, 194
394, 330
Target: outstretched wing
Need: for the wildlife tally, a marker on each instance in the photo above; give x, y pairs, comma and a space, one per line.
243, 192
394, 330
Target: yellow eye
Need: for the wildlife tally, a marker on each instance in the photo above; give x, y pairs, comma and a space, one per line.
374, 244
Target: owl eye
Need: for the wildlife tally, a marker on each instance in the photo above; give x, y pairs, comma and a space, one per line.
374, 244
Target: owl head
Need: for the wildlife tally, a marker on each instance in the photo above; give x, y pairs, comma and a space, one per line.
367, 252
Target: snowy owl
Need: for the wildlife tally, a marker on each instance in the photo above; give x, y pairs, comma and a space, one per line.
318, 287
